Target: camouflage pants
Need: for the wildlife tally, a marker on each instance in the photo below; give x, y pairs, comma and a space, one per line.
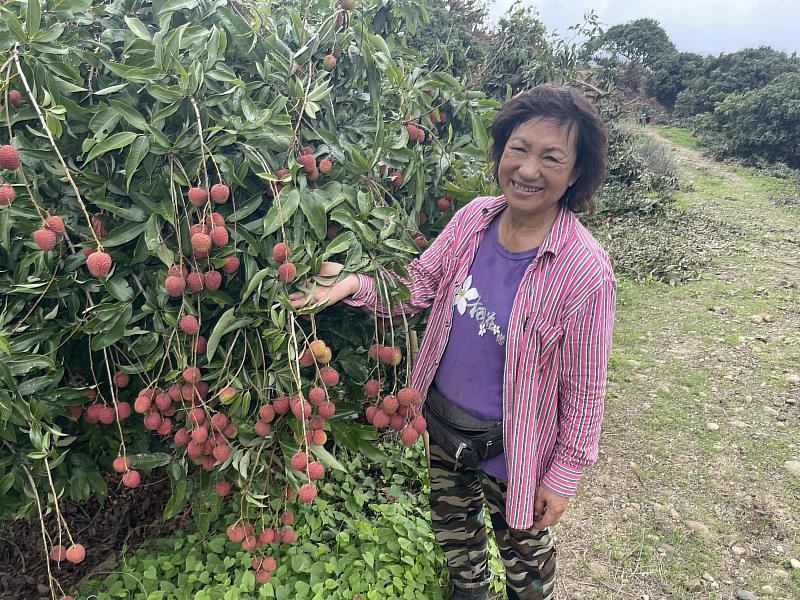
457, 499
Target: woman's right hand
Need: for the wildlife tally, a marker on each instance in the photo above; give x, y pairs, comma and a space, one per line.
326, 287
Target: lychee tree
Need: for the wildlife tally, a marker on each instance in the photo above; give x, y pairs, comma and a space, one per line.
170, 172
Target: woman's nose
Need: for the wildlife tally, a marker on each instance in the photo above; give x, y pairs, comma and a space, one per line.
530, 169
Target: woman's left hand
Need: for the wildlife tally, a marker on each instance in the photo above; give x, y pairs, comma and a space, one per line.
548, 507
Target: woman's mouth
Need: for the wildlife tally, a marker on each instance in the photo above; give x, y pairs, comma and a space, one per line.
525, 189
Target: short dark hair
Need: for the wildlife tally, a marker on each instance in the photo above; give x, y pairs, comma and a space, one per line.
567, 107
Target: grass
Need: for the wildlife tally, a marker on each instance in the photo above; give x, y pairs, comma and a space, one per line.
678, 135
677, 365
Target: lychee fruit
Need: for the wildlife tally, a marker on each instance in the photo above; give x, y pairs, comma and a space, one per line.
325, 357
142, 404
189, 325
329, 376
199, 434
75, 553
396, 422
231, 264
419, 424
152, 421
266, 413
222, 487
372, 388
7, 194
287, 272
163, 401
106, 415
326, 410
443, 204
381, 419
316, 396
174, 285
212, 279
132, 478
121, 379
370, 413
227, 394
219, 236
236, 532
121, 464
198, 195
200, 344
123, 410
45, 239
194, 281
191, 375
315, 470
306, 358
281, 252
409, 436
347, 4
201, 242
15, 98
99, 263
9, 157
281, 405
220, 193
221, 453
329, 62
412, 131
317, 348
409, 397
55, 224
261, 428
325, 165
307, 493
390, 405
58, 553
319, 437
396, 178
299, 460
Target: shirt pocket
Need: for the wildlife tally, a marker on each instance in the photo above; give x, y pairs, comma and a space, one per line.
548, 336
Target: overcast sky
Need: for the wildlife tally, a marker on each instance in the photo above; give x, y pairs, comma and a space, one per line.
702, 26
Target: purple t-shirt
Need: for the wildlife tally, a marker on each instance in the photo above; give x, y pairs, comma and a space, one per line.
470, 372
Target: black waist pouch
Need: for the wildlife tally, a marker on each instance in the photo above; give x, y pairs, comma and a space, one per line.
468, 440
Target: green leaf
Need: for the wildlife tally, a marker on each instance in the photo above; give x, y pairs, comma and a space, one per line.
315, 215
111, 89
138, 28
218, 332
112, 142
340, 243
123, 234
150, 461
283, 207
33, 17
137, 153
130, 114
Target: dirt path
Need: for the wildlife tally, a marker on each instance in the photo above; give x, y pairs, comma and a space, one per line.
691, 497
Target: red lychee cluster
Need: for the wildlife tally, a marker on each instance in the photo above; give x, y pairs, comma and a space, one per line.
400, 414
74, 554
266, 414
101, 413
308, 162
48, 235
415, 134
316, 352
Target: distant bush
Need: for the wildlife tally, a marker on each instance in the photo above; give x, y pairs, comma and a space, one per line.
758, 124
671, 74
748, 69
641, 175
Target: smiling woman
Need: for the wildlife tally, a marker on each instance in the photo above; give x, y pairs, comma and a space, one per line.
513, 360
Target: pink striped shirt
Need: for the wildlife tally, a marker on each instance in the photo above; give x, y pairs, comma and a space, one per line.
559, 339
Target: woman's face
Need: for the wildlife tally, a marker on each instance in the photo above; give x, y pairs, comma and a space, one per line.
537, 166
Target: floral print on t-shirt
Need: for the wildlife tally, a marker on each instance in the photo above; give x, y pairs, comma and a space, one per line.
469, 297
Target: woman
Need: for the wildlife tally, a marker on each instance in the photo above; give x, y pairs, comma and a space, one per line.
522, 307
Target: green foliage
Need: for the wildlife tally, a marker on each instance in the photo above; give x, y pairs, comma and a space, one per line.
747, 69
144, 100
367, 533
451, 38
642, 40
522, 53
759, 124
671, 74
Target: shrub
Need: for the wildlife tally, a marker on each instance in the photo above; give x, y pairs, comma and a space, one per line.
129, 116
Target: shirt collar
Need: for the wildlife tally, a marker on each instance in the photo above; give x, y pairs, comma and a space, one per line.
559, 234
